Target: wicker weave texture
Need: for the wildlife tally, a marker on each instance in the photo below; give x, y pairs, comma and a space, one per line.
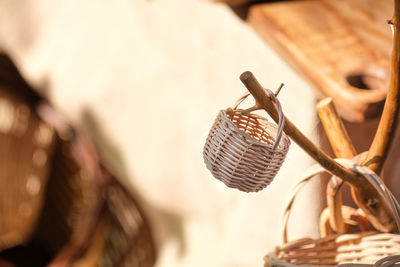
26, 143
239, 150
358, 248
59, 205
129, 240
362, 248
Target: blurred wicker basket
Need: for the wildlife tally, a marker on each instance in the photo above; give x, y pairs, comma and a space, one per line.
58, 205
23, 138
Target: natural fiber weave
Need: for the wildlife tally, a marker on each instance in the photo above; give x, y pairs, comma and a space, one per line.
26, 145
59, 206
362, 248
359, 248
240, 150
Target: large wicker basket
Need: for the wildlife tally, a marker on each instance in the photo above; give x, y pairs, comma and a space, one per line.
363, 247
58, 205
360, 248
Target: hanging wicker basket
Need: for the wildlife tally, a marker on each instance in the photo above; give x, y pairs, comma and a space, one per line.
245, 150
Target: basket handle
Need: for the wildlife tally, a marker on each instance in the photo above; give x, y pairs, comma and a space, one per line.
273, 97
389, 200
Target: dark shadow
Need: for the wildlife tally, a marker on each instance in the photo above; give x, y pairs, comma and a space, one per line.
35, 254
366, 81
11, 78
242, 10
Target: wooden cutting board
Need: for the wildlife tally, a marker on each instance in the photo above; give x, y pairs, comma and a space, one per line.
342, 47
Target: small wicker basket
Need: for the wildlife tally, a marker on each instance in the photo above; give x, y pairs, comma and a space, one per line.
244, 150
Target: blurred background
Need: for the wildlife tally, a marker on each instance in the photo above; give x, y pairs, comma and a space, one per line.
146, 79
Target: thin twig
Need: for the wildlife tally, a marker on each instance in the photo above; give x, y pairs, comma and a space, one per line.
279, 89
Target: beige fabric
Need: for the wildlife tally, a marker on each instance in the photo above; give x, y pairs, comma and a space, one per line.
149, 77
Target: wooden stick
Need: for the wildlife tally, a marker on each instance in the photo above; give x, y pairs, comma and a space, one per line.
343, 148
366, 196
335, 130
264, 102
384, 136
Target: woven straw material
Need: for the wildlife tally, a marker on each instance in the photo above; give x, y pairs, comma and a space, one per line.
363, 248
240, 152
26, 145
359, 248
122, 235
58, 205
129, 240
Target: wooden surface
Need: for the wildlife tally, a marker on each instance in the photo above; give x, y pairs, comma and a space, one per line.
340, 46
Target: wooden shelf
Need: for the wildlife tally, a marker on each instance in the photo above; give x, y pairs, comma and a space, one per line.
341, 47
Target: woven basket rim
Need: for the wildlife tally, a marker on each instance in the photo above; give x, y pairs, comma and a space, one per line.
345, 246
283, 143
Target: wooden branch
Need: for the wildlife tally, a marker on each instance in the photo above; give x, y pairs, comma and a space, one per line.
367, 198
343, 148
335, 130
384, 136
264, 102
